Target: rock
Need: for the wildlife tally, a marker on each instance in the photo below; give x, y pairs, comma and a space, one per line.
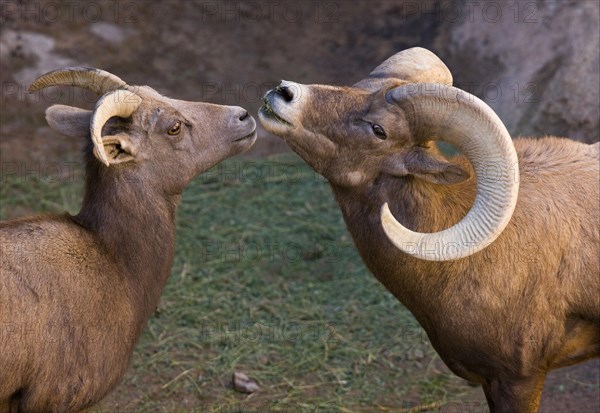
535, 63
109, 32
35, 47
243, 384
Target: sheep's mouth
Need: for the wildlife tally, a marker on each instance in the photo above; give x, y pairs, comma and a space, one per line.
251, 135
267, 111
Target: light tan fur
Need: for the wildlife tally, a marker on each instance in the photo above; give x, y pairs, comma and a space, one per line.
503, 316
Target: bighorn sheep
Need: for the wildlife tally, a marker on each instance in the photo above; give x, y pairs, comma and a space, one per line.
76, 291
503, 300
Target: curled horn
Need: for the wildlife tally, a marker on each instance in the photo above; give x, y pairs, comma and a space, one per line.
120, 103
94, 80
117, 99
442, 112
414, 65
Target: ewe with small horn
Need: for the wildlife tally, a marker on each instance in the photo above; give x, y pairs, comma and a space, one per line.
92, 280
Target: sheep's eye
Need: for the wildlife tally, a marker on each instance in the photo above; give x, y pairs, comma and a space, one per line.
378, 131
175, 129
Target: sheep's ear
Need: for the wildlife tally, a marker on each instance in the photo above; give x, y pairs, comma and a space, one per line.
426, 164
118, 148
68, 120
414, 65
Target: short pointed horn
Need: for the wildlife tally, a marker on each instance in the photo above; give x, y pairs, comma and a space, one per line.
95, 80
438, 112
120, 103
414, 65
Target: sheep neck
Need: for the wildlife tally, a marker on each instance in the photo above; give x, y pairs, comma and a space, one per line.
135, 224
418, 205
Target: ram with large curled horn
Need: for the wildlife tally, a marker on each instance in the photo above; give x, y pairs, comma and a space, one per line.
78, 290
495, 252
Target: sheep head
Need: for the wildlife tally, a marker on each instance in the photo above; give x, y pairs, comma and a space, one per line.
386, 124
134, 129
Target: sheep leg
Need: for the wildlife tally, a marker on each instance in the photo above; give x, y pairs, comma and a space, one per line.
514, 396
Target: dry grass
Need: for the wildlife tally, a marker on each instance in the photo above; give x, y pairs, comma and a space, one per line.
266, 281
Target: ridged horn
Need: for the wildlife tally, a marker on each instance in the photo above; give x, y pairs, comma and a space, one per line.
95, 80
414, 65
439, 112
120, 103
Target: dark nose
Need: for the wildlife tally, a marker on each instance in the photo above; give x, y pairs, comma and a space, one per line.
285, 92
244, 115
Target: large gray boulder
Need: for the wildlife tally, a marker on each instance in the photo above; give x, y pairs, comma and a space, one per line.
535, 63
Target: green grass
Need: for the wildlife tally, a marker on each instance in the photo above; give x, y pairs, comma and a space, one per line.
266, 281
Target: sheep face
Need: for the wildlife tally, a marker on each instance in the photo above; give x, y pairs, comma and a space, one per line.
351, 135
164, 142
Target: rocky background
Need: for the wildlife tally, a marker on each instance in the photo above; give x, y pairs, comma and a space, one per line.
536, 63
